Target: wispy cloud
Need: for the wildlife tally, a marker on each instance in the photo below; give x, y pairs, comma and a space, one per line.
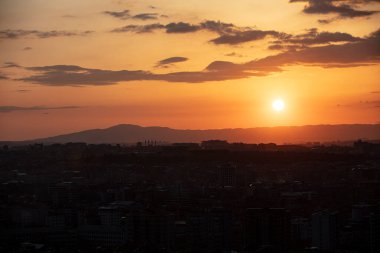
21, 34
234, 54
139, 28
11, 108
125, 14
11, 65
69, 16
146, 16
170, 61
362, 104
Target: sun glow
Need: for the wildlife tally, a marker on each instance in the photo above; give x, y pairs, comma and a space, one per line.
278, 105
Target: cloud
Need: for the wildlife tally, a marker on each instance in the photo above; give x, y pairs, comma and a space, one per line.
139, 28
233, 35
229, 33
146, 16
27, 48
282, 47
3, 77
244, 36
21, 34
310, 38
181, 27
69, 16
343, 8
234, 54
171, 60
362, 104
125, 14
9, 64
11, 108
69, 75
314, 37
357, 53
221, 28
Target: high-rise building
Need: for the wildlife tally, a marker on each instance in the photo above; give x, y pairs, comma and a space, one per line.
325, 230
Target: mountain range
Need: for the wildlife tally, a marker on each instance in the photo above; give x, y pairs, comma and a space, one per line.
126, 133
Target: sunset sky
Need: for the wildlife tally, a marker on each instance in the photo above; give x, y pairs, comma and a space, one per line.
197, 64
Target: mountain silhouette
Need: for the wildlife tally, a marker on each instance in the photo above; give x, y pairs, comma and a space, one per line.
126, 133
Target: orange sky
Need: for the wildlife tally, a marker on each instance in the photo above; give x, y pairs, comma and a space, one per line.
74, 65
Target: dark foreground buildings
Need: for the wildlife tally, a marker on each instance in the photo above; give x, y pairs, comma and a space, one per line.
217, 197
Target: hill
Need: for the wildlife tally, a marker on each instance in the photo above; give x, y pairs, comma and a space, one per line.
285, 134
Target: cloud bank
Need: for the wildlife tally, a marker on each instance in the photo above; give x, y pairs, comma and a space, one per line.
361, 52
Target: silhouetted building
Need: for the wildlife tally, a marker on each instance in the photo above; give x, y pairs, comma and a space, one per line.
267, 226
214, 145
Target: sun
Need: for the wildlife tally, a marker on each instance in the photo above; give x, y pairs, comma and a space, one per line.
278, 105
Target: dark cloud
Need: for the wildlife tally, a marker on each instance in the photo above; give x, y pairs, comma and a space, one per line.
171, 60
11, 108
357, 53
20, 34
286, 47
139, 28
326, 21
27, 48
343, 8
125, 14
314, 37
146, 16
181, 27
221, 28
363, 52
23, 91
229, 33
244, 36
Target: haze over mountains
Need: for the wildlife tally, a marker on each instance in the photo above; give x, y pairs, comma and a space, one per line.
126, 133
